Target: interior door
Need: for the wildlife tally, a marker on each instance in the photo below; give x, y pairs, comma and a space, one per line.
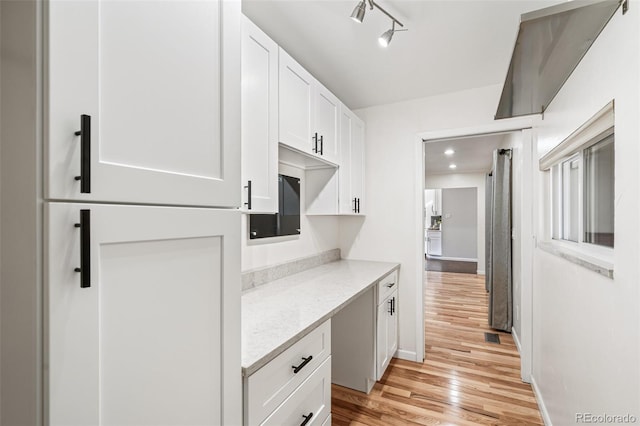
296, 104
159, 85
259, 120
153, 337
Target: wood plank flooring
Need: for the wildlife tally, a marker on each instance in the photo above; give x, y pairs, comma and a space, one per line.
463, 381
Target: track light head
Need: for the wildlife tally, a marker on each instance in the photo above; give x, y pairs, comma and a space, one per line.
386, 36
358, 12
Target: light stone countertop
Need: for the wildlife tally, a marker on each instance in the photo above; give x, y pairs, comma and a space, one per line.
278, 314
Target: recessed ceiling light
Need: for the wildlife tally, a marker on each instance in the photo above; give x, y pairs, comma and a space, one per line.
449, 152
452, 166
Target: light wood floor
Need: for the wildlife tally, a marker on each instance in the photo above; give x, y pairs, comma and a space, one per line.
463, 381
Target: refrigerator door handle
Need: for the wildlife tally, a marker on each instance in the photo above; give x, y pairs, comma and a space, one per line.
85, 248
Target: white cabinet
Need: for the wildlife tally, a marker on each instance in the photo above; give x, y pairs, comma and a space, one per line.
326, 123
433, 203
351, 163
387, 323
259, 120
294, 386
159, 84
434, 243
156, 332
309, 113
296, 104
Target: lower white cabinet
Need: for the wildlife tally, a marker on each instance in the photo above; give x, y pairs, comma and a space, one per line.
146, 332
434, 243
387, 323
365, 336
294, 386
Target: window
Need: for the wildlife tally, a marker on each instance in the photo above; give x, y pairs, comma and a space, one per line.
583, 193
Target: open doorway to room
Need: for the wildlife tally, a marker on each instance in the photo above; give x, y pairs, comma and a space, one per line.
473, 237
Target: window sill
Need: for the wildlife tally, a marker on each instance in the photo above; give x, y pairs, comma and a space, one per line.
593, 259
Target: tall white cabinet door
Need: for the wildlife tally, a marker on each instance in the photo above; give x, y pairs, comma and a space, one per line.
352, 197
155, 338
259, 120
160, 81
296, 104
327, 123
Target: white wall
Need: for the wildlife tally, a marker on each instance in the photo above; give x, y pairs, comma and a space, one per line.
317, 234
587, 327
388, 232
466, 180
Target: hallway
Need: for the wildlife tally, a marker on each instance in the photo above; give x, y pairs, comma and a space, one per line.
463, 381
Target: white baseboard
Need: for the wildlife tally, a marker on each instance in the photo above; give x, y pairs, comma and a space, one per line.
407, 355
516, 339
455, 259
479, 272
541, 406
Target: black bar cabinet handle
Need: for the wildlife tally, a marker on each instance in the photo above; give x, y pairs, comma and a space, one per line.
390, 311
315, 142
355, 205
85, 154
390, 285
321, 145
305, 361
85, 248
393, 306
358, 205
248, 188
306, 419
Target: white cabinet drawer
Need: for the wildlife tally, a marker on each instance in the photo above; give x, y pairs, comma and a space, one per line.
309, 404
387, 285
268, 387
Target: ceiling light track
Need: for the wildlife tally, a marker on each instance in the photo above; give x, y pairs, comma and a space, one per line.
358, 16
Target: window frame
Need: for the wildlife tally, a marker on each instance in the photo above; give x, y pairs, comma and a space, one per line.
557, 181
598, 258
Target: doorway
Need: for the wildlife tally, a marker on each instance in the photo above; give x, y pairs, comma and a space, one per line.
463, 160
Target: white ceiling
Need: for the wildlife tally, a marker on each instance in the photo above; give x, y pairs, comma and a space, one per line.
472, 154
451, 45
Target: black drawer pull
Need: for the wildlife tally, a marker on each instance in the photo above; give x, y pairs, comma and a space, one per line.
306, 419
85, 154
305, 361
321, 145
85, 248
390, 285
248, 188
315, 142
358, 205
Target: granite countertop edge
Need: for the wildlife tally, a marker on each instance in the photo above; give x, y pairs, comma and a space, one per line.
248, 370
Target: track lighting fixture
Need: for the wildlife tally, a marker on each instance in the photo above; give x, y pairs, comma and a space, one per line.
358, 16
358, 13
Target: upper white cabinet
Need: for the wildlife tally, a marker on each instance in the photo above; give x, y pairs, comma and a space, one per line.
296, 104
157, 85
309, 113
351, 163
259, 120
326, 125
148, 331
